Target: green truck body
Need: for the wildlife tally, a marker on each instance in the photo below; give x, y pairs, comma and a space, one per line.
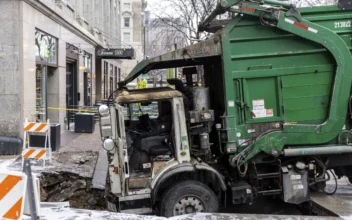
297, 83
272, 116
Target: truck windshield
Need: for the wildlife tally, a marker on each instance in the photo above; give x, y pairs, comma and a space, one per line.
138, 109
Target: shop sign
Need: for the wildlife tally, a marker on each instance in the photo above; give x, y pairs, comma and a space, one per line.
116, 53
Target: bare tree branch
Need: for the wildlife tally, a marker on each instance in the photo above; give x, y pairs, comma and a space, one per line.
310, 3
185, 15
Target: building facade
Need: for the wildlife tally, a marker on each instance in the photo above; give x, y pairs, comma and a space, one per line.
132, 31
48, 61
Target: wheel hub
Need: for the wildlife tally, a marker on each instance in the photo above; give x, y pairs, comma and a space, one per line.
188, 204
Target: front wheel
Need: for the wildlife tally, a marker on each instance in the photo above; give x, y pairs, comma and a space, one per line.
187, 197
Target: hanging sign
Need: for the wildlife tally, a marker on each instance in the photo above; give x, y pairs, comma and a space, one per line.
116, 53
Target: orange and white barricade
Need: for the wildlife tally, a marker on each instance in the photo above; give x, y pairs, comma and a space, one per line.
12, 194
29, 152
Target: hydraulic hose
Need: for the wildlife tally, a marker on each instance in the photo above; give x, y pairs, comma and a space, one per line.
329, 177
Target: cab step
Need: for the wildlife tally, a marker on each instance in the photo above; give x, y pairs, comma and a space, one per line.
137, 211
136, 204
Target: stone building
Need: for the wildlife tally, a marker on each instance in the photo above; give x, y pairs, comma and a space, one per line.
132, 30
48, 59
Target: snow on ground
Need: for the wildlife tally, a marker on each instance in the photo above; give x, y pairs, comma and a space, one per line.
79, 214
6, 161
65, 213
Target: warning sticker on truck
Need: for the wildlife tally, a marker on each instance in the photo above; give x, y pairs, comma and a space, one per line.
259, 110
295, 177
258, 104
259, 113
269, 112
299, 186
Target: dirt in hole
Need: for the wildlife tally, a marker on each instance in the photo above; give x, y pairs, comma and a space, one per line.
65, 186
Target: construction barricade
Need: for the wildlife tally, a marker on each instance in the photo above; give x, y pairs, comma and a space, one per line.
12, 194
29, 152
34, 198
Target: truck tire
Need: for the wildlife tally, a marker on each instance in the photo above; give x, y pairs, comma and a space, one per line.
188, 196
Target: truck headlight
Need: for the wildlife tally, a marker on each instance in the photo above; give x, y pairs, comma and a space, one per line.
104, 110
109, 144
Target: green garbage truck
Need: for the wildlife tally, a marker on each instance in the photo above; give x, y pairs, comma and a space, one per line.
272, 117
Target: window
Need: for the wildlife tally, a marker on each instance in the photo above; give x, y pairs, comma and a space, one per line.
87, 60
104, 85
126, 22
126, 37
139, 109
40, 79
45, 48
126, 5
111, 79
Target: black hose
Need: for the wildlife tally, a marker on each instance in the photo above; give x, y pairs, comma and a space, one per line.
318, 181
265, 22
245, 167
333, 192
322, 165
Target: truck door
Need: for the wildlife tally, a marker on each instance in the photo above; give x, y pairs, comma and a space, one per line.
122, 148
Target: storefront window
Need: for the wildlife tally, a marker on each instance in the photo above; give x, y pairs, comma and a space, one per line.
105, 81
41, 75
111, 79
87, 89
46, 48
88, 61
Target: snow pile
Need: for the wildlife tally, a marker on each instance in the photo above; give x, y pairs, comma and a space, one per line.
80, 214
6, 162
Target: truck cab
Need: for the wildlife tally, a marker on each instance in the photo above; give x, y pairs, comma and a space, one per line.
146, 134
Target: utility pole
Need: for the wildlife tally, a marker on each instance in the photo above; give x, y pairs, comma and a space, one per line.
175, 76
144, 31
144, 50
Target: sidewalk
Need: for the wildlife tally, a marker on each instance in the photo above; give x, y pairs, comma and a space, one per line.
71, 141
78, 155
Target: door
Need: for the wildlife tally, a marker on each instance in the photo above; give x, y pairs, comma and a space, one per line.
105, 82
122, 147
71, 91
87, 89
111, 85
41, 95
115, 78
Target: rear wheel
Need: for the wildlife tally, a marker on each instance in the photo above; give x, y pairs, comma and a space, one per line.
188, 196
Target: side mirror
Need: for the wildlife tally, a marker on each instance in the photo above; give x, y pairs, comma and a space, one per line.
104, 110
109, 144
